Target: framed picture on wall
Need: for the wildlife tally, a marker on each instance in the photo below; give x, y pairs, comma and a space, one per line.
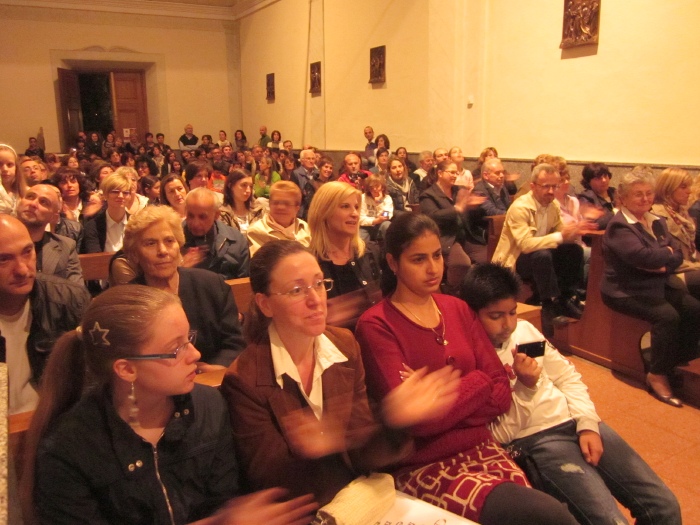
581, 23
270, 84
377, 65
315, 78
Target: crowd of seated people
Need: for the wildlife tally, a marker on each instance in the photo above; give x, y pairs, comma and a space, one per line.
235, 212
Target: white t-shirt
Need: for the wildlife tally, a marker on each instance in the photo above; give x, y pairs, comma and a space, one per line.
15, 330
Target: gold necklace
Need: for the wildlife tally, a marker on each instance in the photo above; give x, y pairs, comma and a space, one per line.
440, 339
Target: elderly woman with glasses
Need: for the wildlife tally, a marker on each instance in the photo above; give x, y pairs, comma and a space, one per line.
298, 390
131, 438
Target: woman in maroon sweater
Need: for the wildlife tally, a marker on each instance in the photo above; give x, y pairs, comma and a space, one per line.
456, 464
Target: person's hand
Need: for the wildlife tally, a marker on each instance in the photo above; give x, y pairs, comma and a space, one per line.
312, 438
206, 367
466, 199
591, 446
193, 256
264, 507
590, 212
421, 397
526, 369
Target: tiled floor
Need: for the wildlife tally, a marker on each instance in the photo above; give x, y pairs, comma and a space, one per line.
667, 438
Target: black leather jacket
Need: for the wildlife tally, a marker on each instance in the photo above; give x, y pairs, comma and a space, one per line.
92, 468
57, 306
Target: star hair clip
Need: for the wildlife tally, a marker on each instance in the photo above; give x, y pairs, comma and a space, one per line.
99, 335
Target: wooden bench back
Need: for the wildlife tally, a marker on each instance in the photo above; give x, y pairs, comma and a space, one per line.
494, 233
242, 293
95, 266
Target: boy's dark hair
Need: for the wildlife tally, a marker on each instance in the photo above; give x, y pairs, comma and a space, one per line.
488, 283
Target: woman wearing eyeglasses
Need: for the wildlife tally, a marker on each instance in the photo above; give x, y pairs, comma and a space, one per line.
131, 438
152, 244
298, 393
104, 232
448, 204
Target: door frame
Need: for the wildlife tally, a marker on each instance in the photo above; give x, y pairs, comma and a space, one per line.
101, 60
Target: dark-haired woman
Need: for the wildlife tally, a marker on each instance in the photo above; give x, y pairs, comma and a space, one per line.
240, 209
80, 201
298, 391
456, 463
240, 140
598, 192
131, 438
173, 193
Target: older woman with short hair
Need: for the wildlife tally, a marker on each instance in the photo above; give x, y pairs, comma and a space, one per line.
281, 221
640, 258
152, 243
334, 220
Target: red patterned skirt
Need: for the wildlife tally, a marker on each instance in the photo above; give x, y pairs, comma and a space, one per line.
461, 483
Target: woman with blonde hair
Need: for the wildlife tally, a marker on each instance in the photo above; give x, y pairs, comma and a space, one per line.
334, 221
131, 438
673, 188
13, 186
104, 232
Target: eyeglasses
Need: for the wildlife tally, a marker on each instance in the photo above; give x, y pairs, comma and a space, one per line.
320, 286
191, 338
547, 187
119, 193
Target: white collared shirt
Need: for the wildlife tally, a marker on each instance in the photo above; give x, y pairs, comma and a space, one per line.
325, 355
115, 234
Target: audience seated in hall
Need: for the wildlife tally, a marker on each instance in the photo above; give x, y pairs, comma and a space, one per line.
35, 309
240, 209
401, 186
640, 258
376, 209
450, 206
104, 232
553, 422
214, 245
671, 202
13, 184
152, 245
173, 193
425, 164
307, 426
352, 173
188, 141
55, 255
456, 464
598, 192
146, 413
542, 248
281, 222
334, 221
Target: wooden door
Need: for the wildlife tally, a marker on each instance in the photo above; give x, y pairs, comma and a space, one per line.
129, 102
71, 112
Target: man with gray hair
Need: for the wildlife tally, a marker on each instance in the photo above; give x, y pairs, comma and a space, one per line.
210, 243
55, 254
308, 170
542, 249
425, 160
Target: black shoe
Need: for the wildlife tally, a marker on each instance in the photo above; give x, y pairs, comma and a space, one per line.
669, 400
568, 308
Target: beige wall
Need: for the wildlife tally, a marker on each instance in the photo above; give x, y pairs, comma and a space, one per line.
633, 100
185, 62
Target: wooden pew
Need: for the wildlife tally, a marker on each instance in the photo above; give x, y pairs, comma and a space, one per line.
242, 293
604, 336
18, 425
95, 266
494, 233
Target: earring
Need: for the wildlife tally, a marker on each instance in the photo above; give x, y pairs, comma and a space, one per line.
133, 409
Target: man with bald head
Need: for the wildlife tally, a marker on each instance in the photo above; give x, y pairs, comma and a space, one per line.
215, 245
55, 254
35, 309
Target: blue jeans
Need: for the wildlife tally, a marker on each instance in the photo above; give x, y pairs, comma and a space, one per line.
589, 491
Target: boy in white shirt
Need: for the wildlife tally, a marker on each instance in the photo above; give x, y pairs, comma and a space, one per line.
553, 423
